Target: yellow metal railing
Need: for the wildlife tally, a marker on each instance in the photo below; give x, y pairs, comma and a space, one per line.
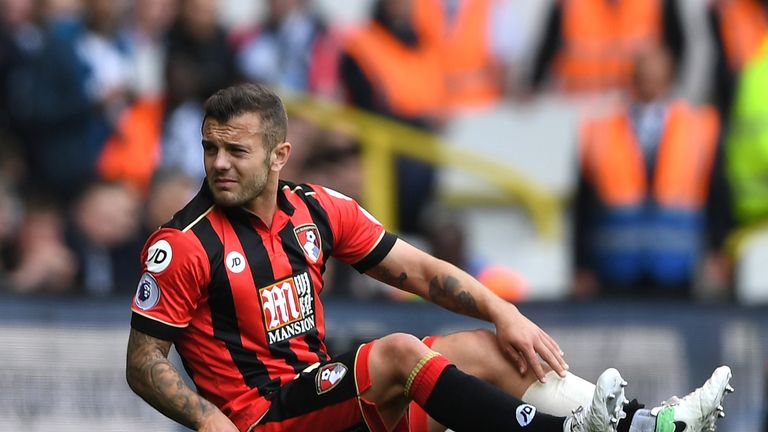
383, 139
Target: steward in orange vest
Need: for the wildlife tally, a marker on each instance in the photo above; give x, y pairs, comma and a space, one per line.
386, 69
739, 28
589, 45
651, 217
132, 152
645, 177
473, 76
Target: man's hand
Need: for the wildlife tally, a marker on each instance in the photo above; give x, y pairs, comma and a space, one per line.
216, 422
522, 340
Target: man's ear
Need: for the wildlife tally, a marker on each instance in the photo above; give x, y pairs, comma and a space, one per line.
279, 156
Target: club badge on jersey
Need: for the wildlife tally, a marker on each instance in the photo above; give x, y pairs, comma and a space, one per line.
329, 376
309, 239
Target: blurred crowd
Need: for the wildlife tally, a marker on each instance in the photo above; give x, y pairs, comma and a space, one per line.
101, 106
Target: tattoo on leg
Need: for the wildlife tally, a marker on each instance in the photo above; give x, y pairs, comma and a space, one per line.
450, 295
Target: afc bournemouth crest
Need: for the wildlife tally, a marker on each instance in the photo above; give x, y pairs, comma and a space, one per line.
329, 376
309, 240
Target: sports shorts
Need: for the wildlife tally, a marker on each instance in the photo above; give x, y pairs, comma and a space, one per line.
326, 397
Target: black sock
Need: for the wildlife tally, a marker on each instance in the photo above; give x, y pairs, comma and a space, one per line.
463, 402
630, 409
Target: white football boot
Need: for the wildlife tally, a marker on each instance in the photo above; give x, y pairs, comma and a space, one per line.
606, 409
699, 410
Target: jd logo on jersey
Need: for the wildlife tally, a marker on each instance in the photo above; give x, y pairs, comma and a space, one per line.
159, 256
329, 376
309, 239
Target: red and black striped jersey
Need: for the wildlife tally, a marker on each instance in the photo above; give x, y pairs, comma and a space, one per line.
240, 300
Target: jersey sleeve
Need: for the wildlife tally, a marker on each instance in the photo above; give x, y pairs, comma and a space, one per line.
175, 270
358, 238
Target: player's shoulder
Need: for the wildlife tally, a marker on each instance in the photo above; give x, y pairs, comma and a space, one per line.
324, 193
177, 233
309, 192
192, 213
166, 245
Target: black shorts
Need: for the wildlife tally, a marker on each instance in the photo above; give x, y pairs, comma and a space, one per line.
326, 397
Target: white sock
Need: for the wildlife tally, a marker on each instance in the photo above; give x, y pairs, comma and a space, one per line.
559, 396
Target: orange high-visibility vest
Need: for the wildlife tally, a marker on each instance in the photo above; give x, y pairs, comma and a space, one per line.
613, 161
743, 25
409, 78
472, 75
601, 39
133, 151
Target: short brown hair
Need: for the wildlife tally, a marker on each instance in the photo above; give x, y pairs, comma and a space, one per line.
251, 98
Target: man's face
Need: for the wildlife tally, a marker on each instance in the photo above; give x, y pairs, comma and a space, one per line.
653, 75
236, 162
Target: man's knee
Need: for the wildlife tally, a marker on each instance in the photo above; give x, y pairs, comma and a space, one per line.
400, 351
401, 345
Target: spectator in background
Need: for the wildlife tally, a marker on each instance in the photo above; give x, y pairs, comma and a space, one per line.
145, 38
746, 145
302, 134
52, 113
11, 210
15, 17
10, 220
199, 62
169, 191
589, 45
12, 167
132, 153
476, 41
388, 70
335, 159
41, 262
291, 48
108, 80
739, 28
642, 203
104, 235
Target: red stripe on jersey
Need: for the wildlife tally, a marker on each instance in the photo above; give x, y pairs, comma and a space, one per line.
244, 290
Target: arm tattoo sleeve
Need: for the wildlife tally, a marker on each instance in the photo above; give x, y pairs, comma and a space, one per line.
385, 275
156, 380
450, 295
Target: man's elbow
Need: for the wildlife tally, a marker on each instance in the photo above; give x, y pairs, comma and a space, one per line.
133, 378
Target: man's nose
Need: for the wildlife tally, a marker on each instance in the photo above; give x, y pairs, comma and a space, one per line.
221, 161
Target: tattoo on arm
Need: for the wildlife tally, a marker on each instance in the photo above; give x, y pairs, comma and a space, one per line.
450, 295
385, 275
153, 377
